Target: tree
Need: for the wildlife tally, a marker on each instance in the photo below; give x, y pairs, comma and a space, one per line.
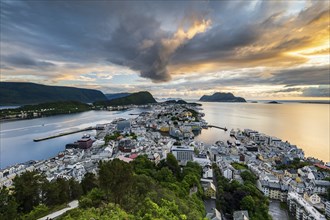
8, 205
248, 176
88, 182
248, 203
28, 190
173, 164
165, 175
75, 189
116, 179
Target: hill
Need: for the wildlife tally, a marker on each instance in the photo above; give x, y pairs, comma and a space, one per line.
21, 93
138, 98
221, 97
116, 95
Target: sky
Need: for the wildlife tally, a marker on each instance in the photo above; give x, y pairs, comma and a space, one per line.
254, 49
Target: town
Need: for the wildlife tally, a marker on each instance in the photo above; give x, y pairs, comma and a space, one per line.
281, 171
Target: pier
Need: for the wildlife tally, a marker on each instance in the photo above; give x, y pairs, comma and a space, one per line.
214, 126
63, 134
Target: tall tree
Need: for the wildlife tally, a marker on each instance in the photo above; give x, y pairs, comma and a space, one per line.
88, 182
8, 205
116, 179
28, 190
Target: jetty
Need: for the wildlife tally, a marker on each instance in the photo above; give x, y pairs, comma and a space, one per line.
214, 126
63, 134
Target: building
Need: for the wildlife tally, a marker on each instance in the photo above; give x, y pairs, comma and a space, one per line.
327, 209
183, 153
313, 198
85, 143
210, 190
126, 145
124, 125
216, 215
241, 215
301, 209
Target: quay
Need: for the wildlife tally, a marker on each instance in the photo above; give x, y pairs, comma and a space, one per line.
214, 126
63, 134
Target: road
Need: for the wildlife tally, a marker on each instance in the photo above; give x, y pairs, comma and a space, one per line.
72, 205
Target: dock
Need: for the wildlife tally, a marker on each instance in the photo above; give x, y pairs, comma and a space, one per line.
214, 126
63, 134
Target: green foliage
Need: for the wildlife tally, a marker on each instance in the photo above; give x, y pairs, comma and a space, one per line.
239, 166
48, 109
139, 188
8, 205
94, 198
110, 137
247, 176
116, 179
173, 164
233, 196
109, 211
37, 212
295, 164
28, 188
88, 183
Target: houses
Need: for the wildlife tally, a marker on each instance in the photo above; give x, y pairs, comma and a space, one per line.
302, 209
215, 215
210, 190
312, 198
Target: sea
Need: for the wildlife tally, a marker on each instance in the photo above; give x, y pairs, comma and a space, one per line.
305, 125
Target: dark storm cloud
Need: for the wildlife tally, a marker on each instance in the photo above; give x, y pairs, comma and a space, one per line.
132, 34
22, 61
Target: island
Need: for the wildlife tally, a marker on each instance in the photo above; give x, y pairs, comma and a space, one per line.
273, 102
221, 97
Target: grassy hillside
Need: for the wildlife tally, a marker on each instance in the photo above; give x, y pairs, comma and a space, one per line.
139, 98
19, 93
116, 95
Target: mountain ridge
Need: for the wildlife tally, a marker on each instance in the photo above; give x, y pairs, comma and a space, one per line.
25, 93
137, 98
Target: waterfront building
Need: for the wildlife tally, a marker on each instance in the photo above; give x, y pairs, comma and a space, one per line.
301, 209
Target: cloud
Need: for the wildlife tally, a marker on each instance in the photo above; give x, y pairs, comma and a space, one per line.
176, 44
320, 91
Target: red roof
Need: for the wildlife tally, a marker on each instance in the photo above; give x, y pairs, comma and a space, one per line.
133, 156
322, 166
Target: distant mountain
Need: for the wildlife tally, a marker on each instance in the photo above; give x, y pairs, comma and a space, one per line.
116, 95
138, 98
221, 97
21, 93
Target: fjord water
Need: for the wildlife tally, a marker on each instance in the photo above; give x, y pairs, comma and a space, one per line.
16, 137
304, 125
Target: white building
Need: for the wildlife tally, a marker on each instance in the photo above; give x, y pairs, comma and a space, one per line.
183, 153
302, 209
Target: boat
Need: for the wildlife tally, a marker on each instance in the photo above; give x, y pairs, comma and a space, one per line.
232, 133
